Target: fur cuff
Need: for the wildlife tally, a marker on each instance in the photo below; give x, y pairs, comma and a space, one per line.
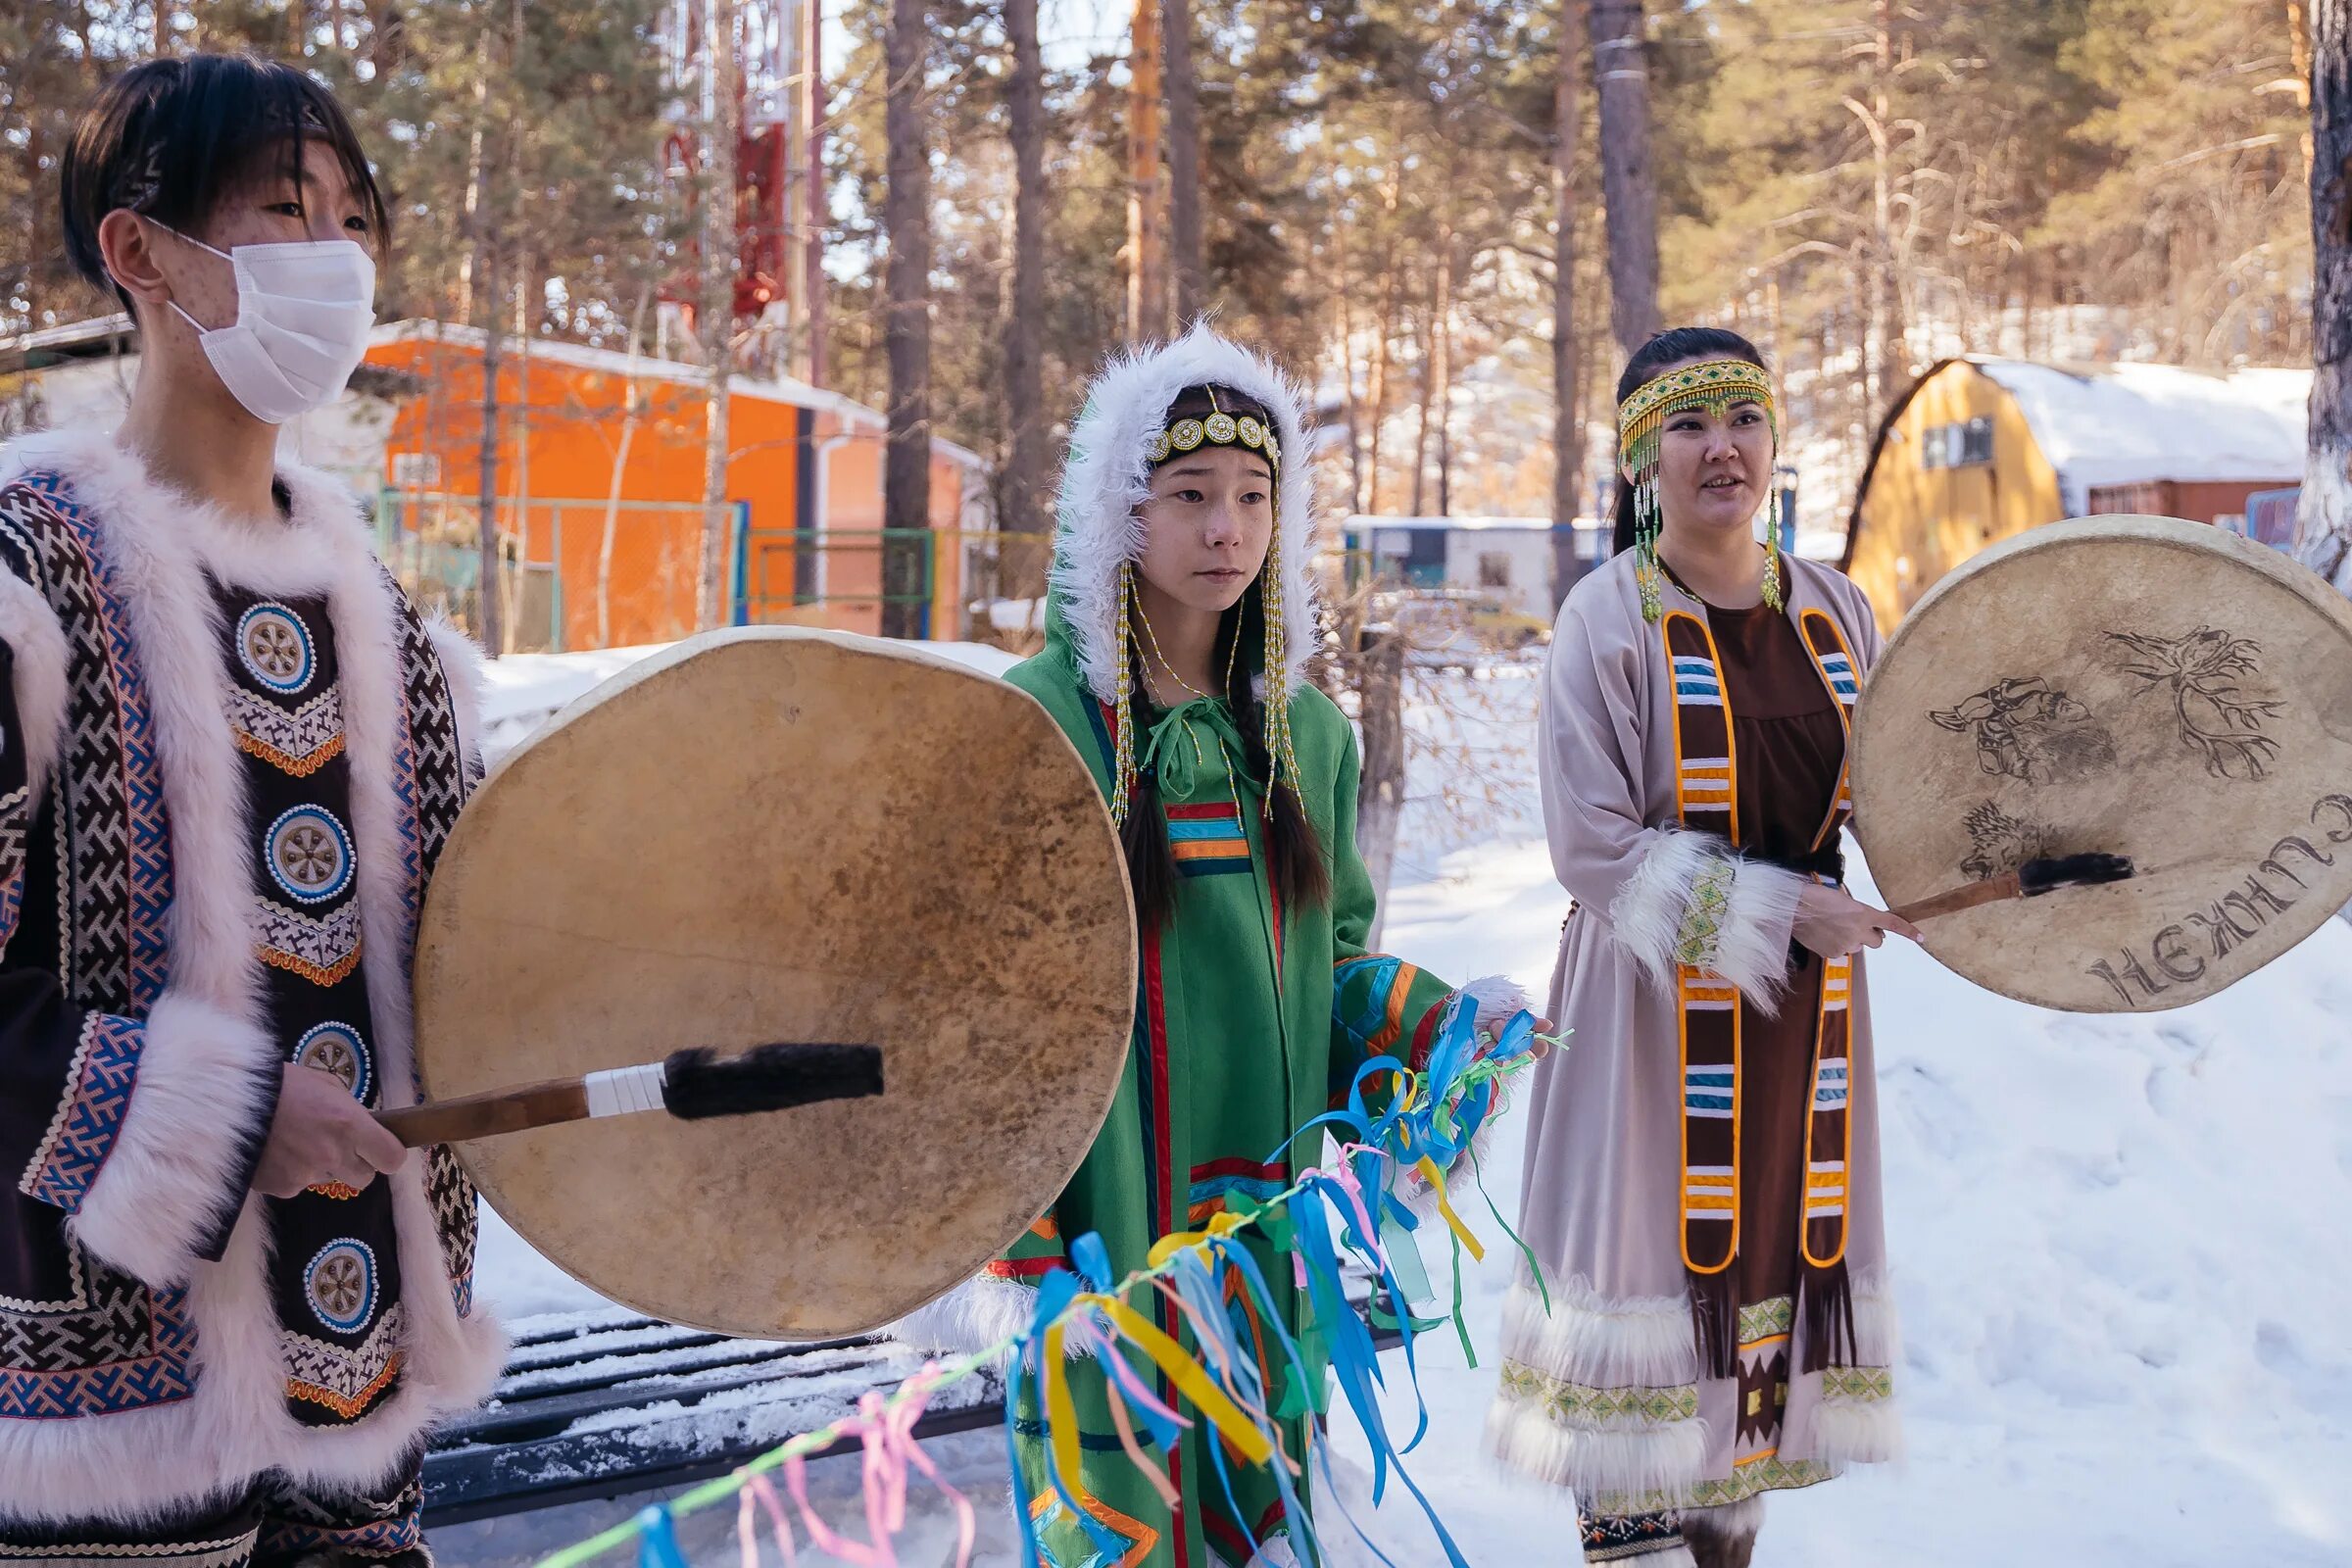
1751, 930
37, 646
204, 1085
983, 1311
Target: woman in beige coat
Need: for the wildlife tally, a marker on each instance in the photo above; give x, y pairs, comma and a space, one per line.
1703, 1164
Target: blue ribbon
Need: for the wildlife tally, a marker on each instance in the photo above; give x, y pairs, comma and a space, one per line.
658, 1539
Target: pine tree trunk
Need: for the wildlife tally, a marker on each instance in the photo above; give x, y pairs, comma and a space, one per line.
907, 217
1147, 238
1627, 184
2323, 512
1025, 510
1442, 372
716, 316
1567, 417
1184, 161
1423, 345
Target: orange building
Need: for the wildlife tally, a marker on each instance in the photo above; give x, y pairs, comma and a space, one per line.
600, 484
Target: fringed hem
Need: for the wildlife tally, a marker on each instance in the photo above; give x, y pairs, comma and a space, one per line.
1667, 1457
1858, 1432
1605, 1341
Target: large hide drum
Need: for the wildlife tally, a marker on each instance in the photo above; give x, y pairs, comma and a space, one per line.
2141, 686
784, 835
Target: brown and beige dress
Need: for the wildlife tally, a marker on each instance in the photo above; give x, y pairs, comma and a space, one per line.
1702, 1171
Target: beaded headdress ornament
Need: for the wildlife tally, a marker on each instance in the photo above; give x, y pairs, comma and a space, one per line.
1712, 386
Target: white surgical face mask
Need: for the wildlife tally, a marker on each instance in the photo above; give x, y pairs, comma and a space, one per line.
304, 312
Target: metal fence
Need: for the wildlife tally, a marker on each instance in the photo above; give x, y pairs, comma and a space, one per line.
594, 573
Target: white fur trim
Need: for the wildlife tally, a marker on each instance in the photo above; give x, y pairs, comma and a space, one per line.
1107, 477
1645, 918
160, 547
204, 1088
1877, 1326
984, 1310
1601, 1342
1667, 1457
1852, 1432
462, 661
39, 657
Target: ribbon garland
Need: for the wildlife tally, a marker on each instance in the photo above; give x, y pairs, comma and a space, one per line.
1424, 1125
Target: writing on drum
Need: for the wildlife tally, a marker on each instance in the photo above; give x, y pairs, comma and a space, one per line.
2180, 952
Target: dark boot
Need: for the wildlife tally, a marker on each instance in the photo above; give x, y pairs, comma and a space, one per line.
1722, 1537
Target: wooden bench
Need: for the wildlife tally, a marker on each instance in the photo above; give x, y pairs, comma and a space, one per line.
604, 1404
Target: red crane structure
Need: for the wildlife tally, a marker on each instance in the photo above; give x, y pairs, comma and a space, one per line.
778, 161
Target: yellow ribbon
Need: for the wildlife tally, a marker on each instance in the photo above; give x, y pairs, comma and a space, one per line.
1461, 1232
1190, 1379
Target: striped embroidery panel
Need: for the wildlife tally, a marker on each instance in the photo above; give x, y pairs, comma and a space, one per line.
1214, 1183
1208, 840
1838, 985
1825, 1188
1696, 683
1710, 1192
1829, 1085
1707, 1092
1707, 784
1838, 671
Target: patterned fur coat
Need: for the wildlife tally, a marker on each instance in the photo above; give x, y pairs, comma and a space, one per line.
140, 1363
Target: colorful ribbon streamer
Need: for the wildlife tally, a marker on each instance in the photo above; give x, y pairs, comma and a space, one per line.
1396, 1121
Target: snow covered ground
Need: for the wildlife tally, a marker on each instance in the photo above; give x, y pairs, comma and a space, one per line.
2119, 1243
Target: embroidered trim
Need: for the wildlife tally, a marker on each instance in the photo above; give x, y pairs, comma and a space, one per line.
1583, 1406
345, 1381
298, 742
1861, 1385
323, 949
1767, 1319
1700, 938
1764, 1472
102, 1077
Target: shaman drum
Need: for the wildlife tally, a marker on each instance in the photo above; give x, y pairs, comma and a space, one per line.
2141, 686
786, 835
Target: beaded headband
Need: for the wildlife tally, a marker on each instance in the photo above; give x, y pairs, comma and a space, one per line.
1218, 429
1711, 386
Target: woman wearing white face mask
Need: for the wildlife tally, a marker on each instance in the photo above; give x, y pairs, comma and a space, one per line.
229, 752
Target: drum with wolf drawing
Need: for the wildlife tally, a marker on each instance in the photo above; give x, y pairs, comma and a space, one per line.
2137, 686
768, 834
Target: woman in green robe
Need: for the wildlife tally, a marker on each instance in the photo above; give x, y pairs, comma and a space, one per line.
1180, 619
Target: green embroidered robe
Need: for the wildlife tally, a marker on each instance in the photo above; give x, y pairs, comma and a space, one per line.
1237, 1044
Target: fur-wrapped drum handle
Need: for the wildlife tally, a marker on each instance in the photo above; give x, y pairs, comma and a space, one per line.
690, 1085
2029, 881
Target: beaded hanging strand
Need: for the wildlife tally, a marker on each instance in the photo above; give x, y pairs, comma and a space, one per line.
1123, 782
1711, 386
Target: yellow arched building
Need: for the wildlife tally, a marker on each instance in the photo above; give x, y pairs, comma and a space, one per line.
1980, 449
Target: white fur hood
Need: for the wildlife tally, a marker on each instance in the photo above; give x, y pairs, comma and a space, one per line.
1108, 475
